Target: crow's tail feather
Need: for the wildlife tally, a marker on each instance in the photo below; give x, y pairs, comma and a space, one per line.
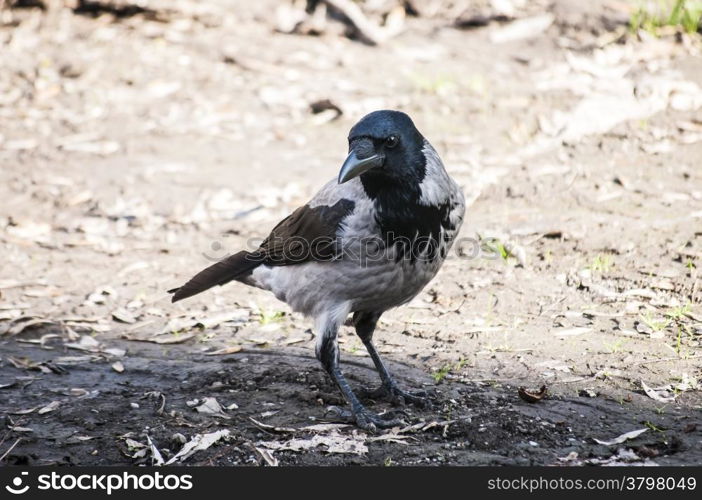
220, 273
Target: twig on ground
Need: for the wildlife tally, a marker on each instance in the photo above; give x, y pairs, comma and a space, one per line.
10, 449
367, 29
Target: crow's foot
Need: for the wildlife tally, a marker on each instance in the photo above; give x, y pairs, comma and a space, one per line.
366, 420
397, 396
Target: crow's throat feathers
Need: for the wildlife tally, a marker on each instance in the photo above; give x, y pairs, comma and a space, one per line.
416, 207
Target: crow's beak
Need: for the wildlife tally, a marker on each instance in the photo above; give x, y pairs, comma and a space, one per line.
361, 159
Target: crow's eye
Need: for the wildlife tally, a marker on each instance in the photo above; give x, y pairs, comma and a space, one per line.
392, 141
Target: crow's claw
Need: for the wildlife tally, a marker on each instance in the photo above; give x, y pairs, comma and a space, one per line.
371, 421
366, 420
395, 413
397, 396
341, 414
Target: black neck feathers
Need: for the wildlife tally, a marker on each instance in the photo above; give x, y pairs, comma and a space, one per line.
405, 223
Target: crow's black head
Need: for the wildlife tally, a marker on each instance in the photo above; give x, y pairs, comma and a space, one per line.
385, 148
393, 162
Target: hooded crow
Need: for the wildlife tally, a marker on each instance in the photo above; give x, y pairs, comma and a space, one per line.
365, 243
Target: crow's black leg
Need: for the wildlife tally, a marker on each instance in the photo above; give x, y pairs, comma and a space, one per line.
328, 354
365, 326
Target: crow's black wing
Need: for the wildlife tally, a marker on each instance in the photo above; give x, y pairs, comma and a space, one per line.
309, 233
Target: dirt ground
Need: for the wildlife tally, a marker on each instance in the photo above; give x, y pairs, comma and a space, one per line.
139, 144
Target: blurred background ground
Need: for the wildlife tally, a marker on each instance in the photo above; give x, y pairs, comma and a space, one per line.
141, 140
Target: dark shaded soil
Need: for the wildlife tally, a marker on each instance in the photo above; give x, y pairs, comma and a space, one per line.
489, 423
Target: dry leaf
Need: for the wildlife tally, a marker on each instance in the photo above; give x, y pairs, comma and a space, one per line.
210, 406
295, 340
226, 350
332, 443
172, 339
622, 438
123, 316
19, 325
114, 351
79, 439
156, 458
24, 412
267, 456
21, 429
181, 324
651, 393
258, 341
50, 407
75, 360
325, 427
197, 443
163, 339
77, 391
391, 438
133, 445
86, 343
272, 428
521, 29
532, 397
